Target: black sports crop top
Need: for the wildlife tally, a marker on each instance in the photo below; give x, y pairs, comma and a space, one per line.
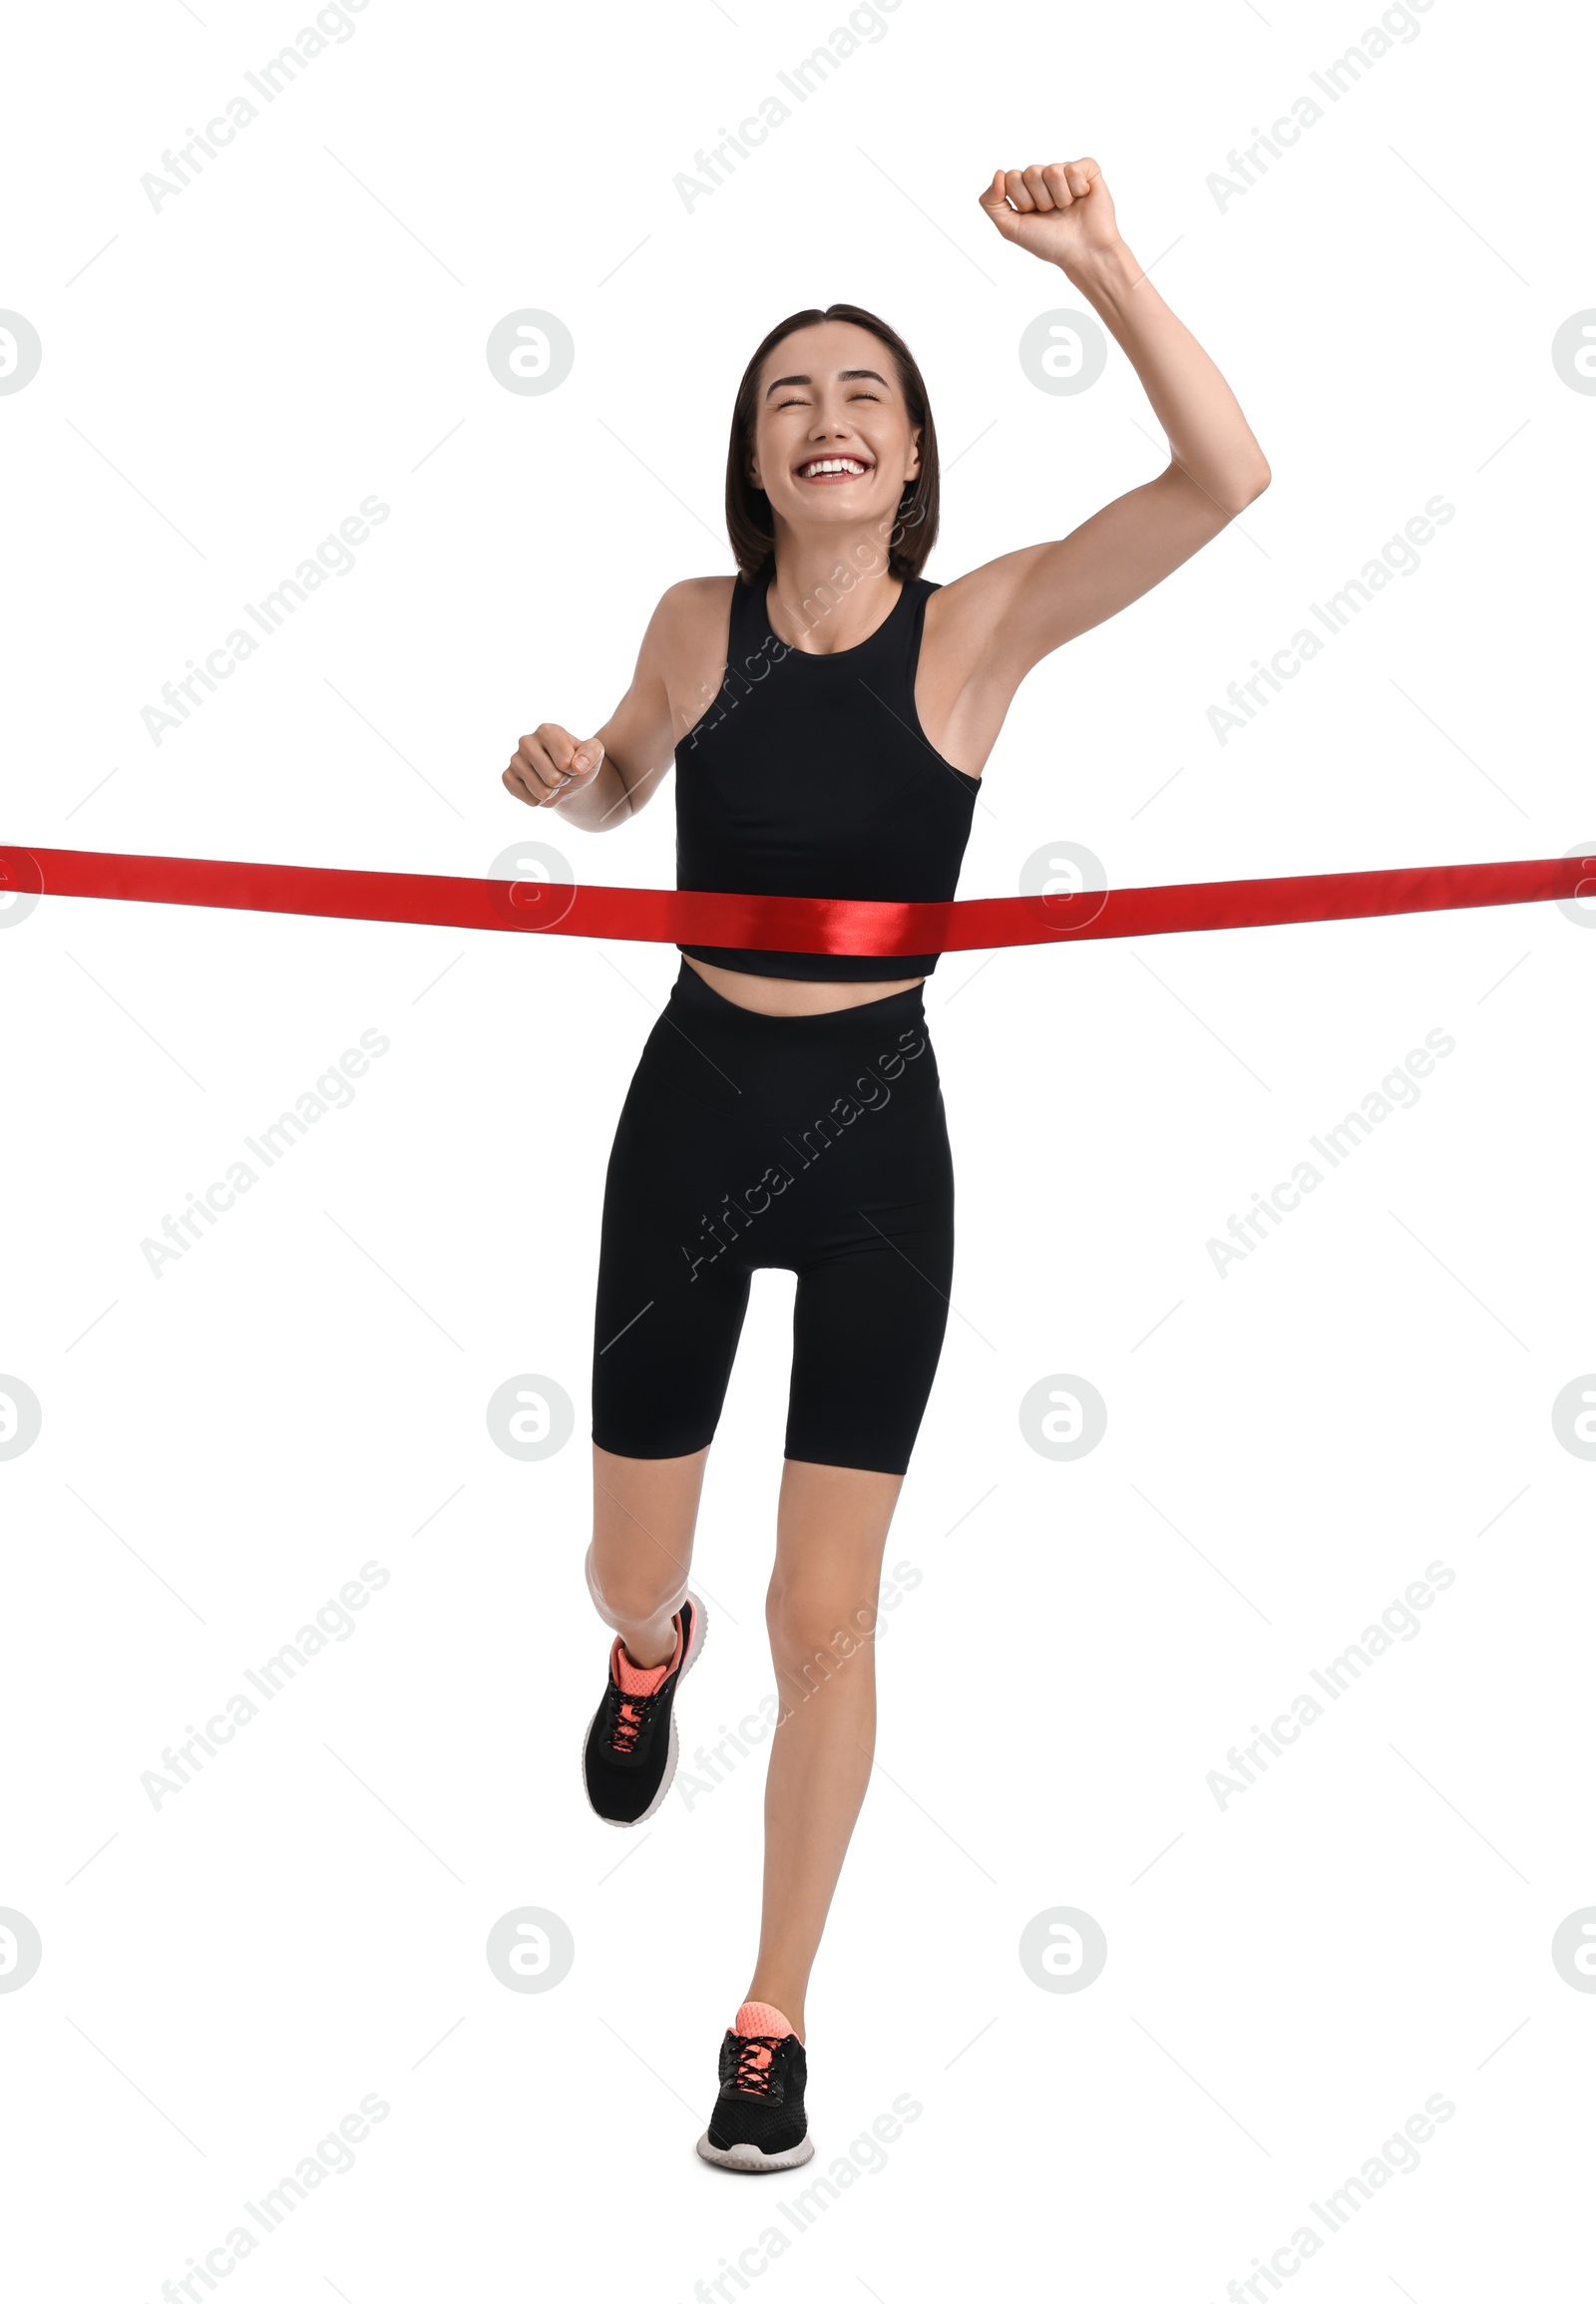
810, 775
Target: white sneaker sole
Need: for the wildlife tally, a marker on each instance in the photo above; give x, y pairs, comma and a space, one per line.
700, 1629
749, 2160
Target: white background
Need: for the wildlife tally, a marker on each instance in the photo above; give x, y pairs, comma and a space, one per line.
1289, 1978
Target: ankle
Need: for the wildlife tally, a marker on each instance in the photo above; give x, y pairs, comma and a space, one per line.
650, 1643
652, 1648
788, 1998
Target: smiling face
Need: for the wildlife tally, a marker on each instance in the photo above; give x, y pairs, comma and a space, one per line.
833, 442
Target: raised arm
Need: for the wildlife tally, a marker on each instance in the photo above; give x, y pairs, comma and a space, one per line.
1017, 609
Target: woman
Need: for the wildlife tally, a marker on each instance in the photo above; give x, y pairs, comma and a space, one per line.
829, 712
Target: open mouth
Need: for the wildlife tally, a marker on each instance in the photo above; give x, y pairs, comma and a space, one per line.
832, 471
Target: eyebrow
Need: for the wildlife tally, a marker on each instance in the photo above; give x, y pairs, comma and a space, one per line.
844, 376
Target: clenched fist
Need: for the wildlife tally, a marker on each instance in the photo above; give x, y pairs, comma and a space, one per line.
1061, 212
549, 765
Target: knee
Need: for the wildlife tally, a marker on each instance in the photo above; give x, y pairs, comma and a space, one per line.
630, 1593
810, 1622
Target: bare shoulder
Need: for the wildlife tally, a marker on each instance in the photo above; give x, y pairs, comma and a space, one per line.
693, 609
687, 641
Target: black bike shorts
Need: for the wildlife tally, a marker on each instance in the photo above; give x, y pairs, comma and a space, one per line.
815, 1145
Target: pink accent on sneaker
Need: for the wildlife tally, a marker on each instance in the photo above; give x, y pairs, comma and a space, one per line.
638, 1678
758, 2018
756, 2026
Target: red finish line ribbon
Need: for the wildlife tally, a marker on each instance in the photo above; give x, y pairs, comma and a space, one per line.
837, 924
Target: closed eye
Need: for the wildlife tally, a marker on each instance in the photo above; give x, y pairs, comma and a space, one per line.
797, 402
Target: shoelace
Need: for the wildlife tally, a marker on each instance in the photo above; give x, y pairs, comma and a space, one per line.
755, 2053
632, 1718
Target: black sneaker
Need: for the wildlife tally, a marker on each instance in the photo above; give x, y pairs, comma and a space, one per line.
629, 1756
758, 2122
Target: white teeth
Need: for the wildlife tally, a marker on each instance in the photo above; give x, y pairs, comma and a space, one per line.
833, 464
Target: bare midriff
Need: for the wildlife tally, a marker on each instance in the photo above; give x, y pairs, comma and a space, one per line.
793, 995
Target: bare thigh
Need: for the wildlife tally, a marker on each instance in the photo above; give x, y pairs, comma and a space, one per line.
830, 1528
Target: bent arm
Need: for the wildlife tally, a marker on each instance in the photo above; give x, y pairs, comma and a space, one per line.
1210, 441
637, 743
1019, 608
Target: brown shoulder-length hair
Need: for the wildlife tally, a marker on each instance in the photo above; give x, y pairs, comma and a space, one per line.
748, 522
